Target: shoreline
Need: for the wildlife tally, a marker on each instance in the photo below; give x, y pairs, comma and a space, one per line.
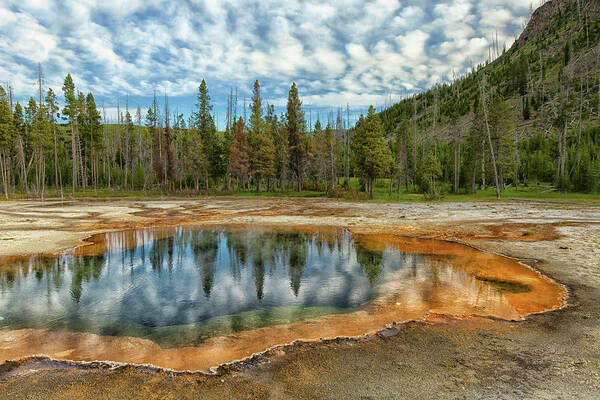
562, 239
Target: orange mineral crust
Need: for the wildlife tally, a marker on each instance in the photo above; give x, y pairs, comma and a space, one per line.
459, 281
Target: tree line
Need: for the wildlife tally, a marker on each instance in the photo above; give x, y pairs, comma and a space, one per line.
530, 114
73, 148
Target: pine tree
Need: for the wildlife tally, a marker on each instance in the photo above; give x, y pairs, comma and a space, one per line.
155, 132
94, 130
18, 119
296, 131
269, 149
205, 125
81, 140
70, 112
52, 109
170, 166
238, 166
526, 109
282, 146
330, 156
567, 53
41, 143
7, 133
319, 159
372, 154
196, 160
260, 140
126, 148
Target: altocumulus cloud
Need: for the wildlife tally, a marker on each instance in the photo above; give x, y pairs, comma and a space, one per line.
348, 51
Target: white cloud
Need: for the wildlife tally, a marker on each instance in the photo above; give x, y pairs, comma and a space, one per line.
347, 51
412, 46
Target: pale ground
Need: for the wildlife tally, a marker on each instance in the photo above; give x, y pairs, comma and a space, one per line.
555, 355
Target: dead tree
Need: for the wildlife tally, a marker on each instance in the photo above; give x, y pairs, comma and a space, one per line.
482, 89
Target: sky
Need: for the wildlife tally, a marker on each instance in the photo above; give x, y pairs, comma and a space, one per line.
343, 52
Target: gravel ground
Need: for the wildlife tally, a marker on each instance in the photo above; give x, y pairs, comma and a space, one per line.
549, 356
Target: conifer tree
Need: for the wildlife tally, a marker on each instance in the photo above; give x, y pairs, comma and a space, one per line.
296, 131
94, 130
432, 170
319, 159
18, 119
238, 165
271, 136
195, 160
81, 141
70, 112
283, 153
52, 109
205, 125
330, 155
372, 154
41, 143
260, 139
7, 131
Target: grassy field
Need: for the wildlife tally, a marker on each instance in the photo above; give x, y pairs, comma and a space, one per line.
536, 192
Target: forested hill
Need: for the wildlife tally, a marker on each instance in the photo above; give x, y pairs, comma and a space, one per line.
542, 97
528, 116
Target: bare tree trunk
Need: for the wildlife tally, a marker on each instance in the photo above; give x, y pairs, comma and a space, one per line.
81, 167
55, 153
483, 177
21, 164
516, 160
474, 178
563, 142
332, 166
4, 168
489, 136
74, 160
542, 86
414, 149
42, 173
456, 165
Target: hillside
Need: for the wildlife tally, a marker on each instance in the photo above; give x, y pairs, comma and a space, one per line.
544, 93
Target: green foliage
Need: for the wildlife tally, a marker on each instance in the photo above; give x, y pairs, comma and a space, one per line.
205, 126
297, 138
526, 109
70, 108
372, 154
261, 150
371, 262
139, 177
431, 172
544, 105
7, 127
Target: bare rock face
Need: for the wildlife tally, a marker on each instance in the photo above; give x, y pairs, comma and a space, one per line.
544, 16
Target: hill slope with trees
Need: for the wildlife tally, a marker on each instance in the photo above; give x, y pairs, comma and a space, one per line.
529, 115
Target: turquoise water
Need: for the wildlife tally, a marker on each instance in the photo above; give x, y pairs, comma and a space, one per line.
195, 283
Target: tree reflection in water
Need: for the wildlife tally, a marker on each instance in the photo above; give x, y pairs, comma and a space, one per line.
227, 279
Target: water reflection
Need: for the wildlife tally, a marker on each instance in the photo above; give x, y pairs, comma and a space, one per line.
181, 286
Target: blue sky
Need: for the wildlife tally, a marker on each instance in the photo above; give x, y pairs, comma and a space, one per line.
348, 51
